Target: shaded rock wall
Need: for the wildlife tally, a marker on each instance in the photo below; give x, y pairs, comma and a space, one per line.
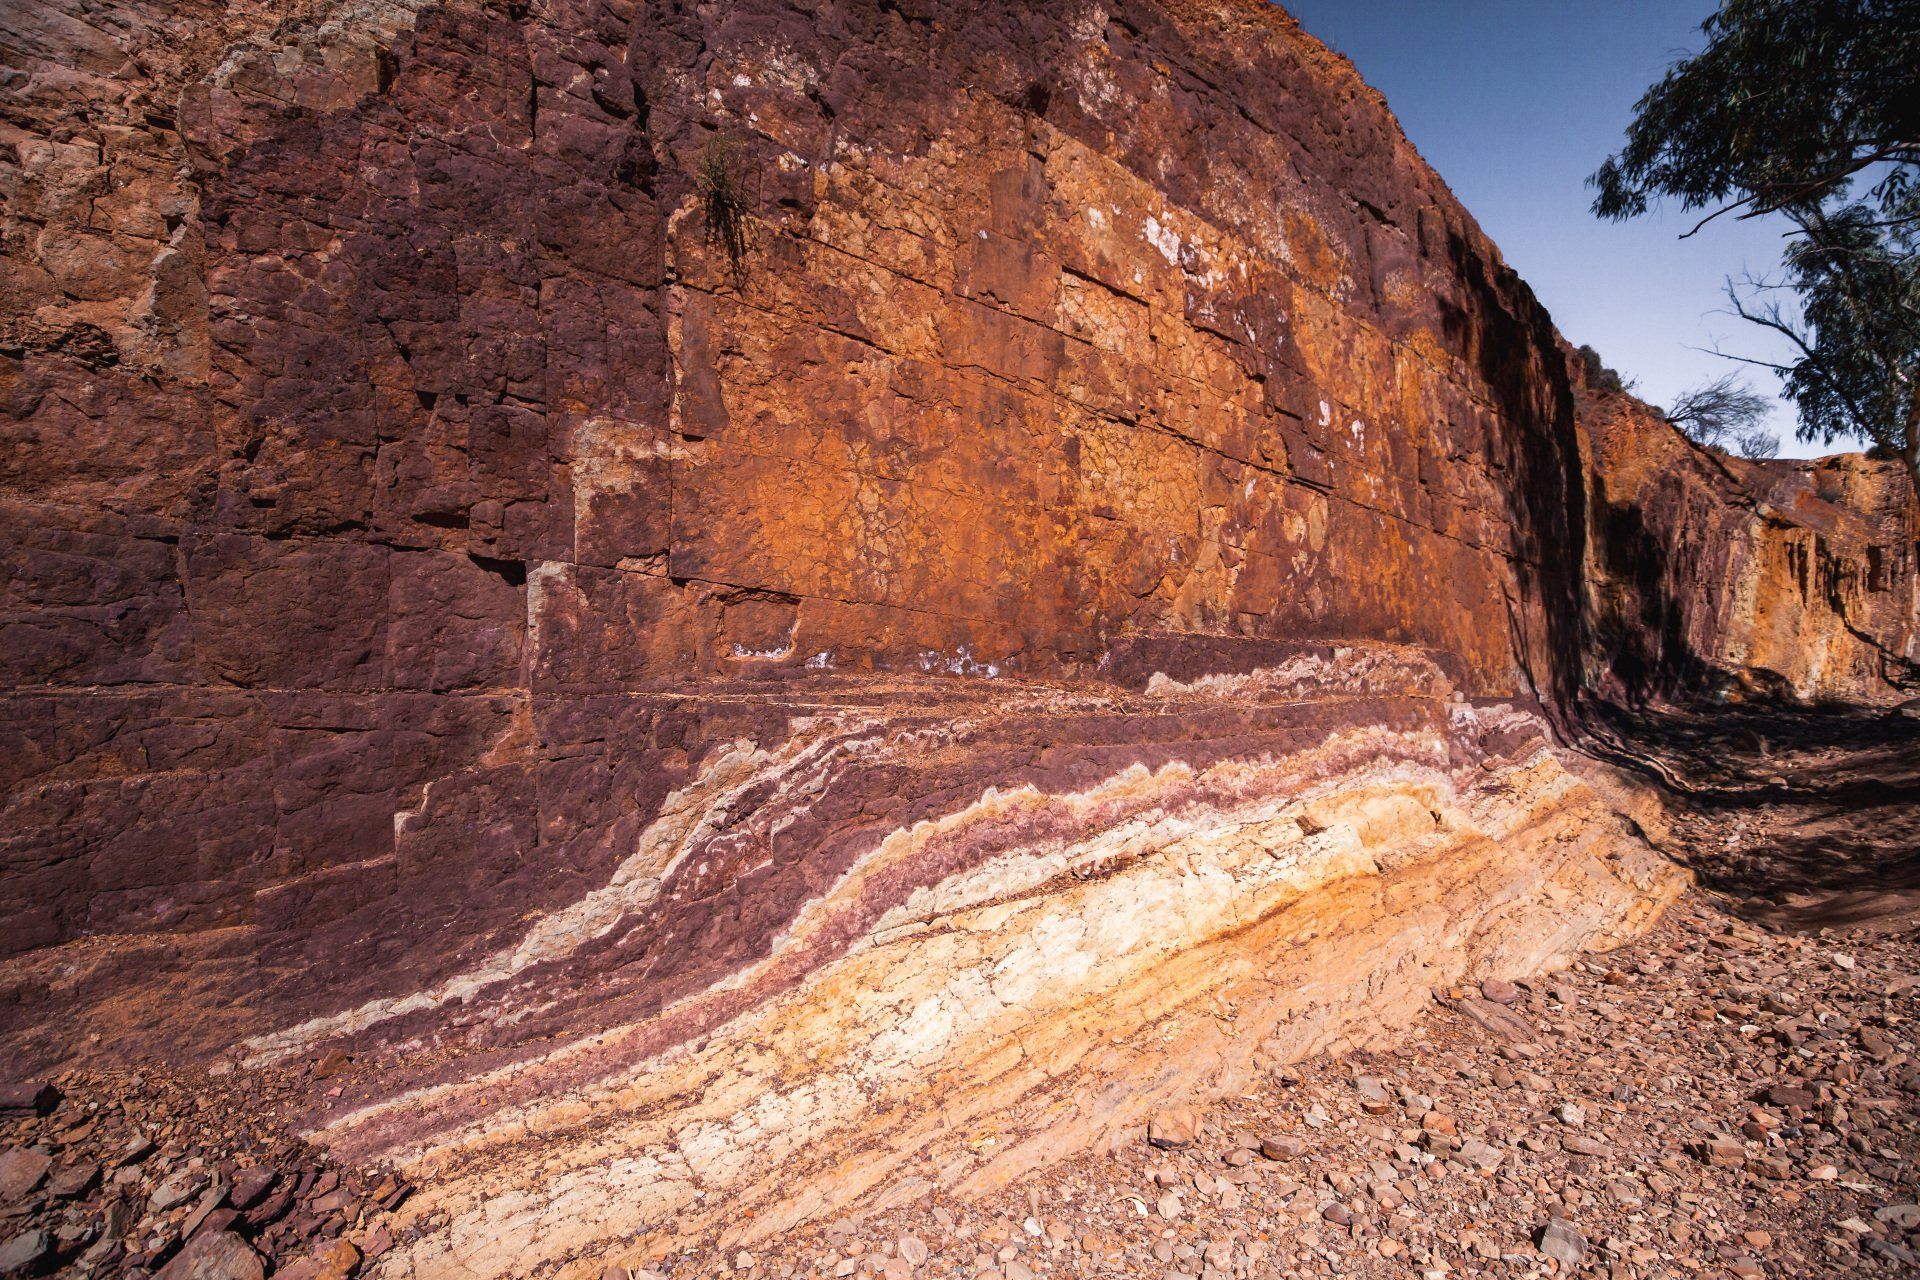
1079, 603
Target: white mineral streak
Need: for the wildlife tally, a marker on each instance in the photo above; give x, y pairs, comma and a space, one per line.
799, 767
1376, 669
1163, 238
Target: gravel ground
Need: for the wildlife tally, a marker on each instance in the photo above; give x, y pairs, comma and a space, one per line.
133, 1174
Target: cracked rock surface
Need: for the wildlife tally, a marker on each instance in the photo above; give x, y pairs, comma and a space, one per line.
670, 620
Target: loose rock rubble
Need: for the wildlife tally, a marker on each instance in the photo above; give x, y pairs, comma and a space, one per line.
1713, 1101
1716, 1100
147, 1175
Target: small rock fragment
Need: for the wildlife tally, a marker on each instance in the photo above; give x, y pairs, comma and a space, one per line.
1723, 1150
219, 1255
375, 1243
176, 1189
249, 1185
271, 1209
21, 1171
390, 1192
28, 1097
73, 1181
1282, 1147
334, 1260
1374, 1098
1500, 991
1562, 1241
1481, 1155
1173, 1127
24, 1251
137, 1148
332, 1064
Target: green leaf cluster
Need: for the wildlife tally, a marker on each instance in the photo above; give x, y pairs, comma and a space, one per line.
1808, 109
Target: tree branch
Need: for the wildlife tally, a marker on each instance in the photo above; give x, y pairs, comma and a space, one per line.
1810, 186
1810, 363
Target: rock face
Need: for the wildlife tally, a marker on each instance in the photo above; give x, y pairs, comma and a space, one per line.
1710, 574
754, 606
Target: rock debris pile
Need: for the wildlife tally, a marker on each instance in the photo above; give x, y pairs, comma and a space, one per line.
146, 1175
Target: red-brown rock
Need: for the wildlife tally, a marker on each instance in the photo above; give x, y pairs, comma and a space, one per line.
1118, 518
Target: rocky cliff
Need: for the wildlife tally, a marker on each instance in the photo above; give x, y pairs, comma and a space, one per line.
1712, 575
758, 605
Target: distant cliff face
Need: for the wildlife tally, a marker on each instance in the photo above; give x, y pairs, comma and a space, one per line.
1712, 576
1102, 546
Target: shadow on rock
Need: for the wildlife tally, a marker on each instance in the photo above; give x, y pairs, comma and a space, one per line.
1801, 819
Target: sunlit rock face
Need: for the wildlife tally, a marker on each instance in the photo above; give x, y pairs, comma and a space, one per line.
1069, 615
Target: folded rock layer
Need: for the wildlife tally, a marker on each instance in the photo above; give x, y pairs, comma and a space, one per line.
1013, 978
757, 606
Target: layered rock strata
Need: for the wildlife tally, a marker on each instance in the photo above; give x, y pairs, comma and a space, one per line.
749, 604
487, 432
1005, 982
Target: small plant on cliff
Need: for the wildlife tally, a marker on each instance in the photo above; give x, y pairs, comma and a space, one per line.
1791, 105
1725, 414
723, 200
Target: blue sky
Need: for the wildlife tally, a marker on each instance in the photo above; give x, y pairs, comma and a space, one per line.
1515, 102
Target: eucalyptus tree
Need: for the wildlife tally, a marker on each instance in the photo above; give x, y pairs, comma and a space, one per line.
1810, 110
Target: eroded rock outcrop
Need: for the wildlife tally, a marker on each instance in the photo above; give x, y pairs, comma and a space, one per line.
1073, 611
1710, 574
